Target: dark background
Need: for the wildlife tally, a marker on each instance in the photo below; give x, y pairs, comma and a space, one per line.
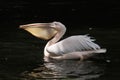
97, 13
99, 18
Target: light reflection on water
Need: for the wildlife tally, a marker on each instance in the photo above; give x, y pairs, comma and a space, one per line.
26, 52
68, 69
76, 69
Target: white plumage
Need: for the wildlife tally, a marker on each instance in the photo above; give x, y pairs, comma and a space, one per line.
73, 44
70, 48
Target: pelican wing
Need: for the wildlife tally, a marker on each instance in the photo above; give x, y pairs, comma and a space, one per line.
73, 44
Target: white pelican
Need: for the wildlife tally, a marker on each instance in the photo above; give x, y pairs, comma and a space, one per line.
74, 47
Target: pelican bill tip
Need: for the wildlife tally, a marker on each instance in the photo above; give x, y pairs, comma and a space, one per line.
22, 26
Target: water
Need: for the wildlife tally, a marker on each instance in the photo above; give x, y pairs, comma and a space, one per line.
21, 54
21, 58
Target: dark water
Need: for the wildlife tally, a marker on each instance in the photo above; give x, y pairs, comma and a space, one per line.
21, 58
21, 54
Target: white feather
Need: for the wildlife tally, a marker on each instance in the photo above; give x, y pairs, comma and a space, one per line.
70, 48
73, 44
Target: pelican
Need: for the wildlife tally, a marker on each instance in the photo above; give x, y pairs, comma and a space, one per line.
74, 47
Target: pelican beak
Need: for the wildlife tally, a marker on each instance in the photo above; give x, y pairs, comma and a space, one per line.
40, 30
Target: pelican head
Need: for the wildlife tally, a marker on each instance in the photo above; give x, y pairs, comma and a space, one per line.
43, 30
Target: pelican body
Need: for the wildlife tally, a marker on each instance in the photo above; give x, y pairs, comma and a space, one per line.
74, 47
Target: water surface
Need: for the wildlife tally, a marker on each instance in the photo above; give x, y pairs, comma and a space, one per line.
21, 57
